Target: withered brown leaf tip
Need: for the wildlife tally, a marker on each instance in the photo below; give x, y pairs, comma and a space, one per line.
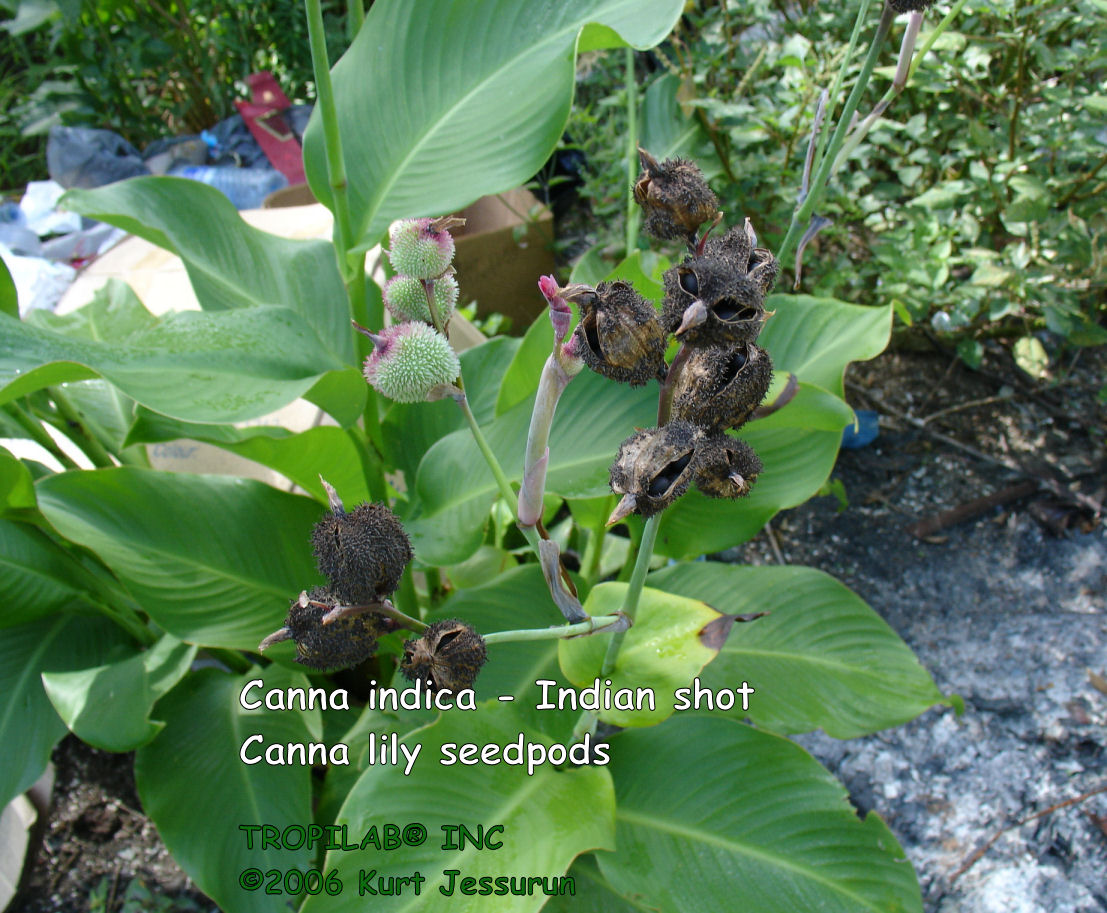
720, 387
362, 553
654, 467
619, 335
674, 197
447, 657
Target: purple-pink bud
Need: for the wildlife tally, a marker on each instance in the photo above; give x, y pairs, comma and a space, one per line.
561, 315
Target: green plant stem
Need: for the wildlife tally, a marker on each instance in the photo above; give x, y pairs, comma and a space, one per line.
236, 662
832, 98
803, 212
593, 625
95, 451
39, 435
355, 18
498, 473
632, 150
434, 586
593, 551
634, 591
371, 465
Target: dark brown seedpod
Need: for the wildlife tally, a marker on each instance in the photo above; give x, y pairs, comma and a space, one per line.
340, 644
763, 269
446, 658
720, 387
727, 467
653, 468
708, 303
738, 248
619, 335
910, 6
362, 553
674, 197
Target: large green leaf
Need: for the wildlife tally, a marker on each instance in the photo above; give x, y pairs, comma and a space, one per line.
594, 893
17, 489
221, 366
594, 416
444, 101
301, 457
715, 815
199, 793
109, 706
29, 727
815, 338
9, 303
231, 264
37, 576
547, 819
672, 639
212, 559
516, 599
821, 658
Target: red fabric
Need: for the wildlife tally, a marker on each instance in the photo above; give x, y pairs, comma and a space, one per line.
263, 116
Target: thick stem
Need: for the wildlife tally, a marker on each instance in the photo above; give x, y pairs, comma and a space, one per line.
632, 150
552, 383
803, 212
355, 18
87, 441
594, 625
634, 591
593, 551
39, 435
407, 597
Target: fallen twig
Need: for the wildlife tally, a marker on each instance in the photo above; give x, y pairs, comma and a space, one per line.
928, 526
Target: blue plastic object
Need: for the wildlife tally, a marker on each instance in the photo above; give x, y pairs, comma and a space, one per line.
854, 437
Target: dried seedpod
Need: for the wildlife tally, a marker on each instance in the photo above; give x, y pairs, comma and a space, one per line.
447, 657
362, 553
727, 467
763, 269
653, 468
707, 302
619, 335
720, 387
674, 197
340, 644
738, 248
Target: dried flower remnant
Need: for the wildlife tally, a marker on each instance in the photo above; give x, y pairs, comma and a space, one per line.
619, 335
653, 468
674, 197
727, 467
720, 387
447, 657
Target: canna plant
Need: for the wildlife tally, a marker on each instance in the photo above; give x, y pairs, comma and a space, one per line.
582, 715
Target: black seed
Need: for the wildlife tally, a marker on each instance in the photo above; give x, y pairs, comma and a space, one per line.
737, 363
660, 485
689, 283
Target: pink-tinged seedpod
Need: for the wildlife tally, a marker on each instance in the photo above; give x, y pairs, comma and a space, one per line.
619, 335
447, 657
410, 360
421, 248
709, 303
653, 468
362, 553
674, 197
406, 298
720, 387
726, 467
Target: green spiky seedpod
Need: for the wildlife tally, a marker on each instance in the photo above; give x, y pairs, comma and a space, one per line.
409, 360
447, 657
416, 249
362, 553
406, 298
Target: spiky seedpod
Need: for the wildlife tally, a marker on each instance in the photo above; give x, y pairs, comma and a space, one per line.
406, 298
674, 197
409, 360
340, 644
362, 553
720, 387
763, 269
726, 468
707, 303
653, 468
419, 249
447, 657
619, 335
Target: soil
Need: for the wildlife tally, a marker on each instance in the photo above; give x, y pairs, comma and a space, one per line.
1006, 608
